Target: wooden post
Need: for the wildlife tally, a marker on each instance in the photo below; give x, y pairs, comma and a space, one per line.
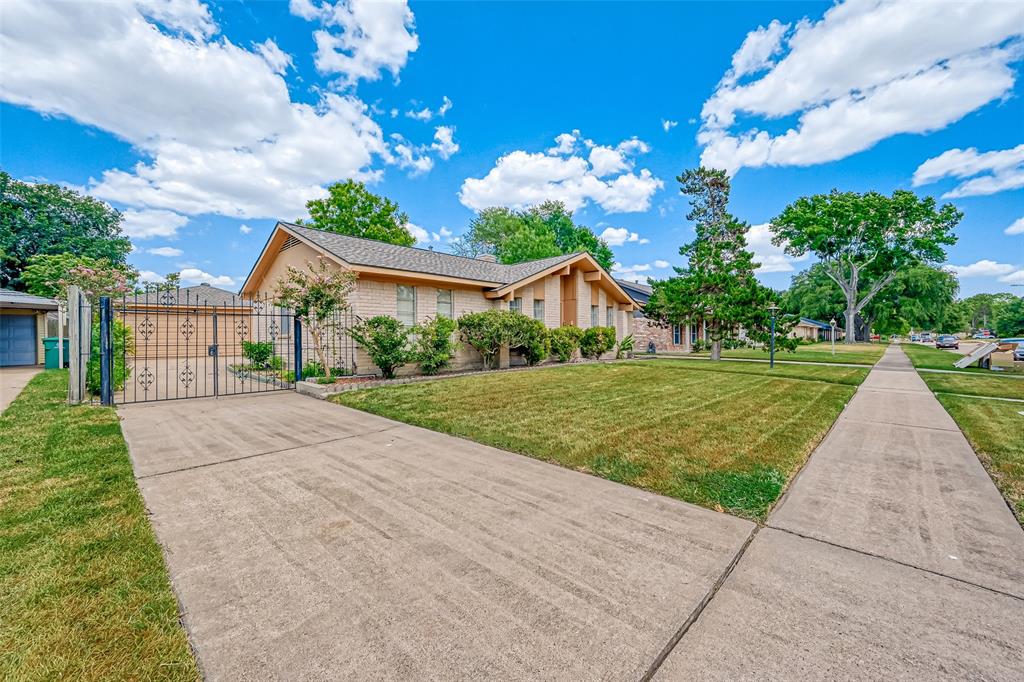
74, 345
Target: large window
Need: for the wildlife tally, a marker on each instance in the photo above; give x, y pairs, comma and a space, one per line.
444, 303
407, 305
538, 309
677, 334
611, 316
516, 305
594, 312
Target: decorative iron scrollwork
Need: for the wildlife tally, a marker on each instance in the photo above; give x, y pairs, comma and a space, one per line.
242, 328
167, 297
188, 328
257, 306
145, 379
146, 328
187, 376
273, 330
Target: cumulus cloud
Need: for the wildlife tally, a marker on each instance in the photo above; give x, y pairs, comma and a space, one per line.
989, 172
276, 58
522, 178
1017, 227
426, 113
617, 236
661, 264
166, 251
1015, 277
772, 258
444, 142
244, 229
633, 273
197, 276
375, 36
668, 125
981, 268
151, 277
145, 224
852, 79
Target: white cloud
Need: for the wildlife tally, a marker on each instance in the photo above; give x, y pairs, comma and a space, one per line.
617, 236
606, 160
1017, 227
444, 143
244, 229
215, 123
426, 113
197, 276
632, 273
150, 276
521, 178
306, 9
278, 60
661, 264
668, 125
991, 172
852, 79
167, 251
376, 35
421, 235
1015, 277
981, 268
410, 157
145, 224
772, 258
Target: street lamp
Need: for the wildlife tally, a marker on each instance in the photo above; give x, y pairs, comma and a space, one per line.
832, 322
771, 356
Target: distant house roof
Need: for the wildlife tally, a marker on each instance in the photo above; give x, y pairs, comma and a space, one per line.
19, 299
641, 293
201, 294
815, 323
369, 252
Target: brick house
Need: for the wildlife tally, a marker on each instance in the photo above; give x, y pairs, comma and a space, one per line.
414, 285
665, 337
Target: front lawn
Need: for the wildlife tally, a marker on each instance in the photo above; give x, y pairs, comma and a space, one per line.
857, 353
728, 436
986, 384
84, 592
929, 357
995, 429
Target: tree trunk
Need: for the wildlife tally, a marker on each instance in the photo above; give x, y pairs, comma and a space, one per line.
716, 343
314, 334
851, 322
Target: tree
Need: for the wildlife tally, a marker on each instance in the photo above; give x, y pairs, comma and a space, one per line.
351, 209
50, 276
1010, 321
386, 341
49, 219
538, 232
718, 285
981, 310
316, 295
864, 241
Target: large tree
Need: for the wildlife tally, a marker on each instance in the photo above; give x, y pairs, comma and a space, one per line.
1010, 319
49, 219
351, 209
717, 286
51, 275
863, 241
540, 231
981, 310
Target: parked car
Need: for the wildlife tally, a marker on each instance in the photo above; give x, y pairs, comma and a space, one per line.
983, 334
1018, 353
926, 337
947, 341
915, 337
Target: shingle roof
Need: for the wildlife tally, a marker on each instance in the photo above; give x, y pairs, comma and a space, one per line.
369, 252
641, 293
19, 299
815, 323
201, 294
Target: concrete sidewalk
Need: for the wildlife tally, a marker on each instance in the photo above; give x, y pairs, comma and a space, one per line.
12, 380
893, 556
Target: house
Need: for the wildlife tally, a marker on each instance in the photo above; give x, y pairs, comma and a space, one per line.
414, 285
813, 330
665, 337
24, 321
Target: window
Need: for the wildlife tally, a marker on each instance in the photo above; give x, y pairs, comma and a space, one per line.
516, 305
693, 333
444, 303
593, 315
407, 305
611, 316
538, 309
677, 334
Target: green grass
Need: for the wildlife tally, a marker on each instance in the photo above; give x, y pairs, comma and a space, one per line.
84, 592
857, 354
995, 429
987, 384
728, 440
929, 357
851, 376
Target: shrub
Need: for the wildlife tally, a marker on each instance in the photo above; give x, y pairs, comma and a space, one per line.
489, 330
597, 341
625, 347
565, 341
700, 346
434, 347
312, 369
276, 362
124, 346
386, 341
535, 341
258, 353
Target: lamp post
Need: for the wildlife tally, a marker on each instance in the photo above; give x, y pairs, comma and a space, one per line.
771, 354
832, 323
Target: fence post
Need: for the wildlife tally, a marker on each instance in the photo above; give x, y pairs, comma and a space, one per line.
106, 353
297, 335
74, 310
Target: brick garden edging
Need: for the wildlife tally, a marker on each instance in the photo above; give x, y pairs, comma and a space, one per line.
322, 391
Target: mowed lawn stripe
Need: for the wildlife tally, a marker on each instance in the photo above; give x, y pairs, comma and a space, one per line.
723, 438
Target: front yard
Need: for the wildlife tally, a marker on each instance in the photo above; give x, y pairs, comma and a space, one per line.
728, 436
857, 353
84, 593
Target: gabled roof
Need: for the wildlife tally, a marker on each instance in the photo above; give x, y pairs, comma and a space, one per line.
201, 294
19, 299
641, 293
369, 252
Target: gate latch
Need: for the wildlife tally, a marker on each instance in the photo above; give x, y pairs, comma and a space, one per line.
211, 350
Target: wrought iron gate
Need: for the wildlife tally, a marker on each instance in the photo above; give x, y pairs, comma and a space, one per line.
186, 343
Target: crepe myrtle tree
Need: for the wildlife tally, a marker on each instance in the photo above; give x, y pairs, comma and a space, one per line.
863, 241
315, 295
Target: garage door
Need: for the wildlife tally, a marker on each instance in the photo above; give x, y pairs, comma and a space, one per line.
17, 340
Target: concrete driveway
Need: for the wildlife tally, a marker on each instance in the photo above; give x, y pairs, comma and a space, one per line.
12, 380
310, 541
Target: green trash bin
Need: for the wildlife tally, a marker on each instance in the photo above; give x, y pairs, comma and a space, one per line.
50, 348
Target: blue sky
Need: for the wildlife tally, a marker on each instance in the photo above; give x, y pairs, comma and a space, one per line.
206, 122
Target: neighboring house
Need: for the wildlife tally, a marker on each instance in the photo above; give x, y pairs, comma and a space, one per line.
666, 337
24, 322
813, 330
414, 285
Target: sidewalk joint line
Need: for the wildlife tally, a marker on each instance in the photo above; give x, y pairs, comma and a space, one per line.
696, 613
905, 426
261, 454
